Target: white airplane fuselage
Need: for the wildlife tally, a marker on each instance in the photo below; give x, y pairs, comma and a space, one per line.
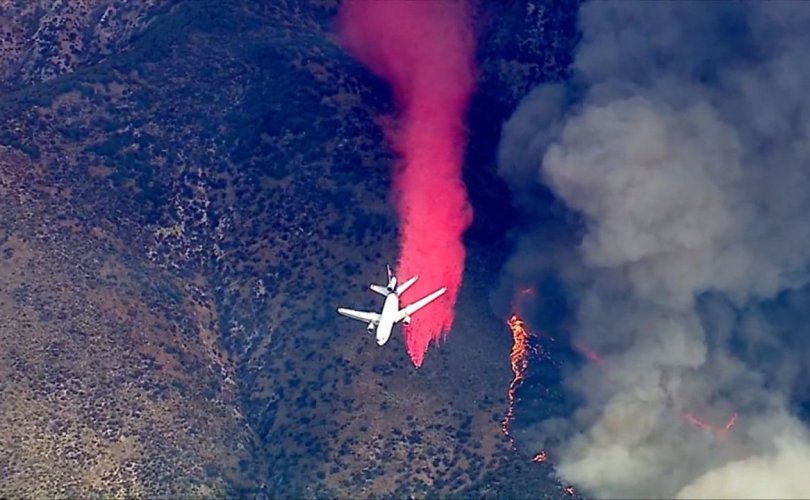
387, 318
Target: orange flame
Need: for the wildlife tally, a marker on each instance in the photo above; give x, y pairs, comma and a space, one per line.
591, 355
692, 419
700, 424
519, 358
520, 361
719, 431
730, 423
522, 295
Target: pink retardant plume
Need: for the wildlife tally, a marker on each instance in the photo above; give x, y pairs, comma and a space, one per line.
425, 50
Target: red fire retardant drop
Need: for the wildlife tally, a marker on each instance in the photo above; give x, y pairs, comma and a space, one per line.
425, 50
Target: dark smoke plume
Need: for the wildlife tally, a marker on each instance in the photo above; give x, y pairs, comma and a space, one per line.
683, 144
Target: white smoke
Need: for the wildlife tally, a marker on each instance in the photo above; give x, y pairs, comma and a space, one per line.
688, 159
777, 473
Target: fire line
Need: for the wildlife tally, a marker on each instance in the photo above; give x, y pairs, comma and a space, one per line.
520, 361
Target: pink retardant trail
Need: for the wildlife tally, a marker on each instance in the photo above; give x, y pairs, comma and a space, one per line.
425, 50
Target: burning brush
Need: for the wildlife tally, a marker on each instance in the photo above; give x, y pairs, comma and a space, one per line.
520, 361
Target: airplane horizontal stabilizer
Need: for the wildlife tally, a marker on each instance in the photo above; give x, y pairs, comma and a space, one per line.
401, 288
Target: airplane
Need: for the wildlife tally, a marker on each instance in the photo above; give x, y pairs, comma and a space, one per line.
391, 314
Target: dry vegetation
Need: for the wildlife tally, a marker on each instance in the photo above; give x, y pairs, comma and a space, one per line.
42, 39
111, 383
179, 216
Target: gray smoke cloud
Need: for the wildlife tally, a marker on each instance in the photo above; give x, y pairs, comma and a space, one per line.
685, 149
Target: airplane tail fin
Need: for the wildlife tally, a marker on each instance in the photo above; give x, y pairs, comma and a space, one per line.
382, 290
390, 273
404, 286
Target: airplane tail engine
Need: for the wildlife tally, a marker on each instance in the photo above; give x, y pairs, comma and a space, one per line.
370, 327
407, 320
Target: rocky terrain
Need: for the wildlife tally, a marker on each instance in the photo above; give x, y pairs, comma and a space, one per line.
43, 39
189, 188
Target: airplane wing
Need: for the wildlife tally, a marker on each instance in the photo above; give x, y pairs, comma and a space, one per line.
419, 304
367, 317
